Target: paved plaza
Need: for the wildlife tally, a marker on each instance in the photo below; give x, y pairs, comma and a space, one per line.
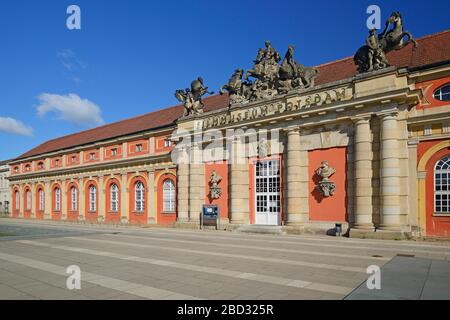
160, 263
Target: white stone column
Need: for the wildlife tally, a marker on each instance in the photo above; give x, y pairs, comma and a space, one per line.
183, 193
297, 180
391, 217
63, 200
33, 200
101, 197
152, 189
413, 217
363, 209
196, 185
239, 185
123, 199
21, 201
47, 201
81, 201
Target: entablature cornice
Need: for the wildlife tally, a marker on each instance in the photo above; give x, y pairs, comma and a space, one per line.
97, 145
161, 161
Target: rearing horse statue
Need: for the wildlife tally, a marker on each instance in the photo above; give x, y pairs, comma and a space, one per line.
388, 40
394, 39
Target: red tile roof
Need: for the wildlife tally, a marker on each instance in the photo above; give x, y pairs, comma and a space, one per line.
432, 49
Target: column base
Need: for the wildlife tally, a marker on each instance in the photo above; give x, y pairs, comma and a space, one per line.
124, 220
187, 225
380, 234
363, 226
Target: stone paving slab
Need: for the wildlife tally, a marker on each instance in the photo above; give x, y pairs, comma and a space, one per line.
134, 263
409, 279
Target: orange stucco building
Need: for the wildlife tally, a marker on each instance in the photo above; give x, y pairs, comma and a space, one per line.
385, 134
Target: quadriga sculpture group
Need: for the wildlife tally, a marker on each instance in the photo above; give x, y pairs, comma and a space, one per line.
271, 78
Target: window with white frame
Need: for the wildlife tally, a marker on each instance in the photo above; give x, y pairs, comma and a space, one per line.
57, 199
443, 93
139, 148
167, 143
114, 193
41, 199
74, 199
139, 194
17, 196
28, 200
113, 152
92, 199
168, 196
92, 156
442, 186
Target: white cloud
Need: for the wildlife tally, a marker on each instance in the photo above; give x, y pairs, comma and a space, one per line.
10, 125
71, 108
69, 60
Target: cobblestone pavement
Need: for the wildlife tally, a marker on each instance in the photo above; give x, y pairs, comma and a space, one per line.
157, 263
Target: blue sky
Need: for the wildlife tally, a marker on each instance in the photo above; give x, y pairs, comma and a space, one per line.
130, 56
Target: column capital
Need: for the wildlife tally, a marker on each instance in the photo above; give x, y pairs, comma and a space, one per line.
361, 119
413, 143
389, 113
292, 130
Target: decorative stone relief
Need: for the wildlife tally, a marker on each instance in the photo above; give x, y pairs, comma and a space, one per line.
264, 148
325, 186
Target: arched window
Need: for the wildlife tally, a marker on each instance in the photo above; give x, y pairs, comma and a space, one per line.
443, 93
74, 199
114, 193
92, 198
28, 199
139, 196
442, 186
168, 196
57, 199
17, 196
41, 199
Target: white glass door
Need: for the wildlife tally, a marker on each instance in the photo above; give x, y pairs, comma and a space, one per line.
267, 192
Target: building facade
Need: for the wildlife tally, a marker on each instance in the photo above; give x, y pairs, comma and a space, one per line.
367, 150
5, 194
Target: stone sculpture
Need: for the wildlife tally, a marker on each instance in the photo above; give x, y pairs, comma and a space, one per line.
271, 78
214, 190
372, 56
192, 98
325, 186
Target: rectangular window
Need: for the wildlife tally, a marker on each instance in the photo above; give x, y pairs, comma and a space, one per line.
57, 200
28, 200
41, 200
74, 159
113, 152
139, 148
167, 143
92, 156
